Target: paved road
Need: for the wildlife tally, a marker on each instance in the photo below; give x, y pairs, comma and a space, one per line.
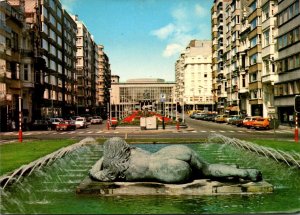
196, 129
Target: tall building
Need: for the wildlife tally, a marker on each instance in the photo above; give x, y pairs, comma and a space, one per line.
288, 61
16, 65
261, 58
86, 69
104, 81
219, 87
194, 76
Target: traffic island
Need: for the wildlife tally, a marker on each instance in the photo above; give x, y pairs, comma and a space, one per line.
197, 187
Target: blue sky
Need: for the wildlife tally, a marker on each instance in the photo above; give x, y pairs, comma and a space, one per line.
144, 38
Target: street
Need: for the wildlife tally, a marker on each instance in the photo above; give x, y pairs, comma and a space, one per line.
196, 129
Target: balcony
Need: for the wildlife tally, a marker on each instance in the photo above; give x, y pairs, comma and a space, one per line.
269, 78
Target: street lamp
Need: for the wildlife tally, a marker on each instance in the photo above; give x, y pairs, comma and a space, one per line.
110, 104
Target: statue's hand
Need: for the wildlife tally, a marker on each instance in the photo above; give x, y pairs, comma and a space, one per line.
254, 175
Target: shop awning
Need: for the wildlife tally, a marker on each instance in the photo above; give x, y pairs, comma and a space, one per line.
235, 108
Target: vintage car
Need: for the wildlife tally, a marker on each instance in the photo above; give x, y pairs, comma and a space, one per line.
249, 120
81, 122
96, 120
221, 118
261, 123
66, 125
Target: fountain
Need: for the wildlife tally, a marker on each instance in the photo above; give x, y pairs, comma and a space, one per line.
51, 188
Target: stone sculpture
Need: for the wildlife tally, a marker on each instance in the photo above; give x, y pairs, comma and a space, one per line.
171, 164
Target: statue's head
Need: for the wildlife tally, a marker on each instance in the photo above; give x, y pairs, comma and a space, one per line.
116, 154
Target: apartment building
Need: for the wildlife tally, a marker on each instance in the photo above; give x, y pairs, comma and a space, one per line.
269, 53
288, 61
104, 81
86, 69
194, 76
16, 65
69, 78
219, 87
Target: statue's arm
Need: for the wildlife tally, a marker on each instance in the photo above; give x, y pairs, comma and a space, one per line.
96, 168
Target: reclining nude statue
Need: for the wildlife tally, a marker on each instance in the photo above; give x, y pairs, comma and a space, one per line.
171, 164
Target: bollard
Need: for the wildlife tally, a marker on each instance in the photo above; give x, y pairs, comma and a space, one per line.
296, 128
107, 124
177, 125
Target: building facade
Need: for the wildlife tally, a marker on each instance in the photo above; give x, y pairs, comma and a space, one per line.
288, 61
86, 66
261, 61
154, 94
16, 65
104, 81
194, 76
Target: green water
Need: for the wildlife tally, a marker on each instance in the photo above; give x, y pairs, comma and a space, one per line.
52, 189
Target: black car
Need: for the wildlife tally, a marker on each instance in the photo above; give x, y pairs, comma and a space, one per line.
40, 124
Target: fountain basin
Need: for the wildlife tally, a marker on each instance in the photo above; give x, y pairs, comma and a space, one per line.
197, 187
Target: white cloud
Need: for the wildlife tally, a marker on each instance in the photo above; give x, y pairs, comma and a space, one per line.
187, 24
200, 11
164, 32
68, 4
172, 49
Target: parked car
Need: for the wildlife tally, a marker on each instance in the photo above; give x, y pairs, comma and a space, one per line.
81, 122
66, 125
229, 118
96, 120
262, 123
200, 115
40, 124
249, 120
210, 117
238, 122
234, 118
54, 122
221, 118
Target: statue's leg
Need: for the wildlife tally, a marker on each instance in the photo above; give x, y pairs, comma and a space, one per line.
222, 170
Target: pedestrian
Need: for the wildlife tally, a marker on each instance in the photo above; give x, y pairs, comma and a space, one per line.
13, 125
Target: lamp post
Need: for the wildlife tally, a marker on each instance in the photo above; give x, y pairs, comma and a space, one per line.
110, 104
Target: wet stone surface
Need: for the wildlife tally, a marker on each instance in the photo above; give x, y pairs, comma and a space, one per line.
197, 187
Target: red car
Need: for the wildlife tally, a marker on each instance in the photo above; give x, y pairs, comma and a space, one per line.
65, 125
262, 123
248, 121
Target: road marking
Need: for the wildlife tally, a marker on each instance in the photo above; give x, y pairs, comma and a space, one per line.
212, 131
99, 132
231, 131
81, 132
241, 131
27, 134
72, 132
63, 132
203, 131
222, 131
194, 131
90, 132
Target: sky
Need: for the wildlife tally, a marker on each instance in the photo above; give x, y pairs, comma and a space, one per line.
144, 38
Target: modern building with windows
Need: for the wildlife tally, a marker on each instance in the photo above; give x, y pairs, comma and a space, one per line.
194, 76
154, 94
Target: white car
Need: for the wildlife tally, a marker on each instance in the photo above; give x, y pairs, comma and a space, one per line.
80, 122
96, 120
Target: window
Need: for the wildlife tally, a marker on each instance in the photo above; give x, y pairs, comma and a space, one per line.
253, 59
52, 20
52, 35
45, 11
243, 80
265, 12
253, 24
45, 28
59, 27
253, 42
45, 44
26, 72
253, 6
266, 37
